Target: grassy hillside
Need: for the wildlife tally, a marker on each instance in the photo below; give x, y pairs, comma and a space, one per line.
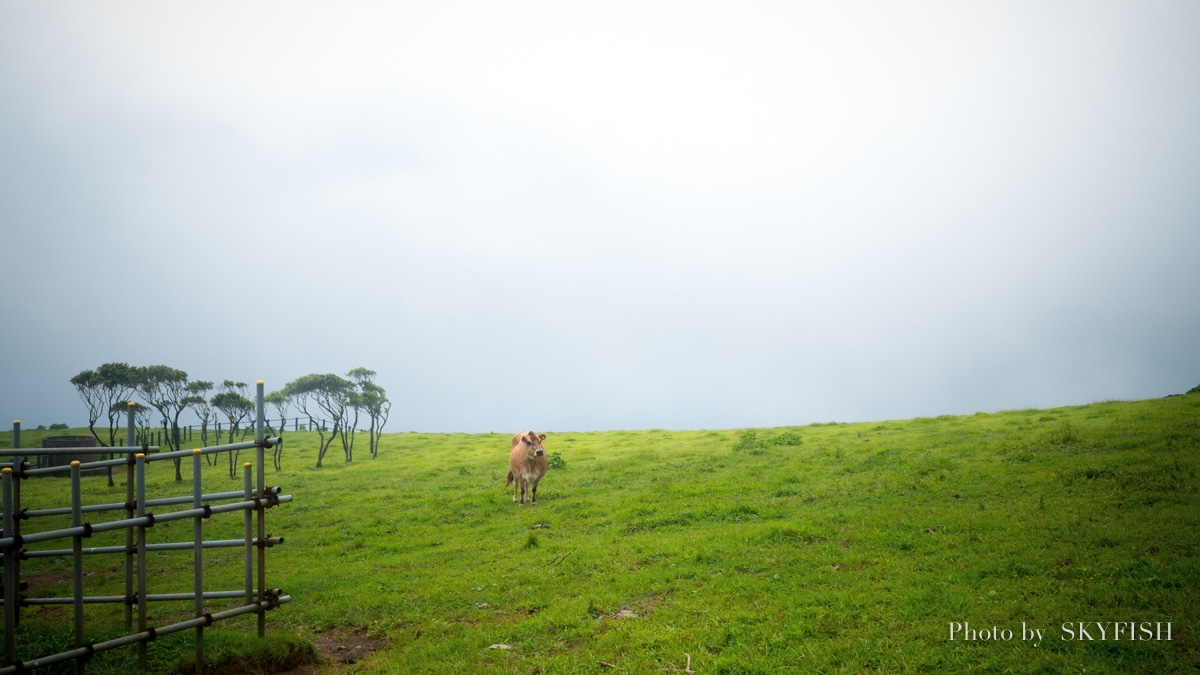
824, 548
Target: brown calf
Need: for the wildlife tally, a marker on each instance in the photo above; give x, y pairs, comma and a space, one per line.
526, 465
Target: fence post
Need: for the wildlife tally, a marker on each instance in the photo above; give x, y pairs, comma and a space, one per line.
248, 532
260, 509
141, 556
198, 557
130, 507
13, 568
77, 561
10, 586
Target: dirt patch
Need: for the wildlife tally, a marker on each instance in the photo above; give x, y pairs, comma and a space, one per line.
338, 650
40, 579
339, 647
642, 608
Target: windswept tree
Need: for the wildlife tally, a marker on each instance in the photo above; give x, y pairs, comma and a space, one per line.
232, 402
325, 394
102, 390
281, 402
198, 402
356, 376
166, 390
87, 384
350, 428
373, 400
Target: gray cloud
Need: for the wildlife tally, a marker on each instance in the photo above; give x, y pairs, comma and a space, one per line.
572, 219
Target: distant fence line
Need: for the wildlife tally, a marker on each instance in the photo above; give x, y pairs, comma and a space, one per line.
252, 502
157, 435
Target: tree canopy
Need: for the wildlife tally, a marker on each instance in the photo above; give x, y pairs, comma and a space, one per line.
316, 395
103, 391
106, 392
166, 390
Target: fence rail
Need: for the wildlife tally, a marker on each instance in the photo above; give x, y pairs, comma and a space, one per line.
162, 433
252, 501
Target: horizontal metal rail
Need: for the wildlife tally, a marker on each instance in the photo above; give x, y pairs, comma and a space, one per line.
134, 449
117, 450
246, 445
150, 597
173, 546
159, 456
99, 464
148, 635
166, 501
148, 520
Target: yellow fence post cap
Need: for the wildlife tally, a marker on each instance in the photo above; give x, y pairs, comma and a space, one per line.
196, 451
7, 469
260, 382
74, 464
132, 404
247, 465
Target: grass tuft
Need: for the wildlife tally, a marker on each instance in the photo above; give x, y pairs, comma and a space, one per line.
246, 653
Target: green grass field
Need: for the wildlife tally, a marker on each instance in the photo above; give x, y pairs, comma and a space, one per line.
825, 548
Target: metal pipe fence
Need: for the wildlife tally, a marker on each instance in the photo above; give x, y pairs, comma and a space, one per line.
165, 433
186, 433
252, 500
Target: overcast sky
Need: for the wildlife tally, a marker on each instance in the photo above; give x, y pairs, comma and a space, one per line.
606, 215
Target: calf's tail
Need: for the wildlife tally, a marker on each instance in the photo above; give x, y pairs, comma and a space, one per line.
509, 481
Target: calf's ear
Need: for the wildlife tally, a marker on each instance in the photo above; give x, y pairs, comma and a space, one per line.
541, 437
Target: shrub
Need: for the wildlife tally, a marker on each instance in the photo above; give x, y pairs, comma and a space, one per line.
786, 438
1065, 435
556, 461
60, 426
748, 441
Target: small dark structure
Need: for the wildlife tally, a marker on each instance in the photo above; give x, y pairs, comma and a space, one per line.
44, 461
